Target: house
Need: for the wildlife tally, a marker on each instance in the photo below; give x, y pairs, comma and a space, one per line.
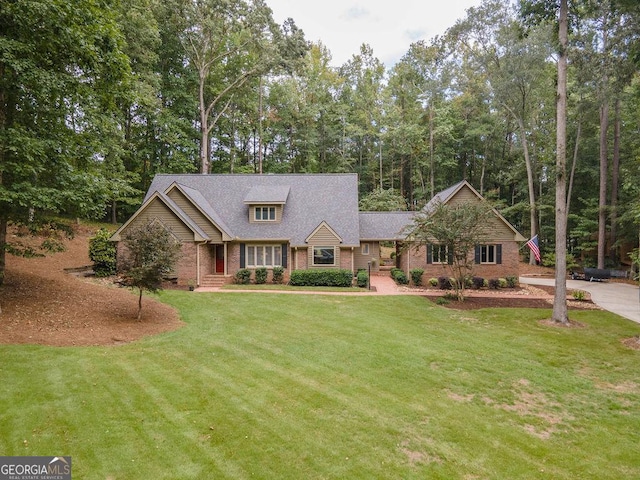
229, 222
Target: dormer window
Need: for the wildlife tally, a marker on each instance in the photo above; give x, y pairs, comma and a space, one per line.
264, 214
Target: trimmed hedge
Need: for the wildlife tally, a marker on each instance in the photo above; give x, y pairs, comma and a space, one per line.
362, 278
278, 274
416, 276
243, 276
261, 275
399, 276
321, 278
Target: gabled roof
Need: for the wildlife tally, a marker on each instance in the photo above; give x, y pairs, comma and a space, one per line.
446, 195
195, 197
311, 199
199, 234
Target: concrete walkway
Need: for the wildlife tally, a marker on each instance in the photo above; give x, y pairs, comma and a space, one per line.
620, 298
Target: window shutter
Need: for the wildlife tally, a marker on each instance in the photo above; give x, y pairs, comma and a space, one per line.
284, 255
477, 255
499, 253
429, 253
450, 255
242, 254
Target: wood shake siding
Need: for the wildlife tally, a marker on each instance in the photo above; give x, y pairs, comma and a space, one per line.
195, 214
158, 210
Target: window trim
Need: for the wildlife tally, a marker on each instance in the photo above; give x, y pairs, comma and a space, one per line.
325, 247
443, 254
364, 249
251, 255
485, 252
270, 212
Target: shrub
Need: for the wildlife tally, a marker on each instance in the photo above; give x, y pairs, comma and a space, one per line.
278, 274
433, 282
242, 276
494, 283
445, 283
512, 281
399, 276
102, 253
442, 301
362, 278
477, 282
579, 295
321, 278
502, 282
416, 276
261, 275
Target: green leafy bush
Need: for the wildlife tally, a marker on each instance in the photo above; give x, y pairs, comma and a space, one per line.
579, 295
102, 253
278, 274
512, 281
502, 282
433, 282
399, 276
321, 278
261, 275
362, 278
416, 276
242, 276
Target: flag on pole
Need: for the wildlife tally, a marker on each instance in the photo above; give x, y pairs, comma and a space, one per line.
533, 246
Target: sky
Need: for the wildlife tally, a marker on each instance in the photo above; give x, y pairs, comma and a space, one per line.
388, 26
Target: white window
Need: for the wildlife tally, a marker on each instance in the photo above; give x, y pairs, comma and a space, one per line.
264, 255
265, 214
439, 254
487, 254
324, 255
365, 249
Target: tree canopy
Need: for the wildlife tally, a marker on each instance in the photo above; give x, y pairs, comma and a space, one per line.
96, 97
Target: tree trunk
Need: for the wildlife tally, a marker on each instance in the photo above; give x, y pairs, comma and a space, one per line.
572, 175
604, 127
560, 298
139, 304
615, 175
432, 157
3, 251
204, 126
533, 217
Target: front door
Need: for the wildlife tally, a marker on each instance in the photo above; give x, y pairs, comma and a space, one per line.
219, 262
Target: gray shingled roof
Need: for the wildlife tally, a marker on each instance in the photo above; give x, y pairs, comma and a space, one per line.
384, 225
312, 199
443, 196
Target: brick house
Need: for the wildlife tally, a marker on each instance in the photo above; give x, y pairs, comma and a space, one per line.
229, 222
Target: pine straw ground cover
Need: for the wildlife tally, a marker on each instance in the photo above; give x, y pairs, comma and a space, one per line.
318, 386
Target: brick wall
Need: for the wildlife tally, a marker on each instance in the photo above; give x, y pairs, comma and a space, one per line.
412, 258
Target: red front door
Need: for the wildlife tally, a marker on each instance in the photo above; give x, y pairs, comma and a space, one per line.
219, 259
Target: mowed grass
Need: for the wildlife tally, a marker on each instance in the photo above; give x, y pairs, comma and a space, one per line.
283, 386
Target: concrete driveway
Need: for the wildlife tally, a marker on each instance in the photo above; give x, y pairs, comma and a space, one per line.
619, 298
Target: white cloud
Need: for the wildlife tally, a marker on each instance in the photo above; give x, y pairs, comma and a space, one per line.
389, 27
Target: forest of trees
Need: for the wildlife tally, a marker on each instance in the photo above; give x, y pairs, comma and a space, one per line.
97, 96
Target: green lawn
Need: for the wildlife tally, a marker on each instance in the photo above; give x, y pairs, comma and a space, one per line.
331, 387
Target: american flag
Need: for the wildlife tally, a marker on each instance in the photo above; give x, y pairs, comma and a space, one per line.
533, 246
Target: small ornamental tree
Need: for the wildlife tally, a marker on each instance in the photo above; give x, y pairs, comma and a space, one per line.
152, 252
102, 252
460, 228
